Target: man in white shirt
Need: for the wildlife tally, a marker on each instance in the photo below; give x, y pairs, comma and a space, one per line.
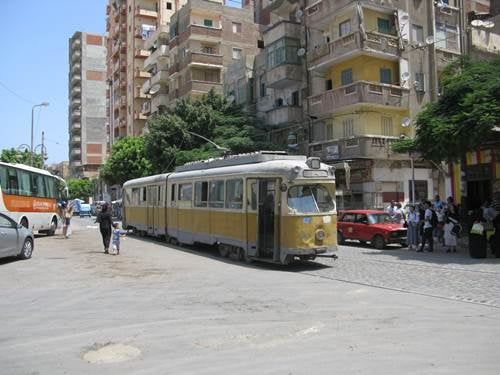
427, 236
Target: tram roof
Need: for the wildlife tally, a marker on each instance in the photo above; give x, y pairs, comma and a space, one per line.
240, 159
146, 180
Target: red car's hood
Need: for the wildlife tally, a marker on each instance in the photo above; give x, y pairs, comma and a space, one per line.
388, 226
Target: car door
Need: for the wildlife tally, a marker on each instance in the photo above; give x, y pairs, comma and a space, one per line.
8, 236
347, 225
362, 228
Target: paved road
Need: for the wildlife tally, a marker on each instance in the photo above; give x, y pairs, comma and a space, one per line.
161, 310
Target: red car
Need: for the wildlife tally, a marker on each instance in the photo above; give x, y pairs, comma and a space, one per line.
372, 226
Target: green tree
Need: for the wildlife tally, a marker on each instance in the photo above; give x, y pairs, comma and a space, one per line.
127, 161
22, 157
169, 142
81, 188
464, 115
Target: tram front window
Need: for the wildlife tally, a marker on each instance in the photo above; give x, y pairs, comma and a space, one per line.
309, 199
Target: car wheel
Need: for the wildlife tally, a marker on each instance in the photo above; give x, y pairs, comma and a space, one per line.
340, 238
24, 222
378, 242
27, 249
53, 227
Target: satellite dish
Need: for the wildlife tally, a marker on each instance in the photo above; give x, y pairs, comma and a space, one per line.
405, 122
477, 23
488, 24
429, 40
301, 52
298, 14
405, 76
154, 89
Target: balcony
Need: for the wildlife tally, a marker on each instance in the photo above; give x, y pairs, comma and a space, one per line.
283, 29
199, 87
76, 139
139, 116
198, 32
76, 79
76, 113
161, 77
76, 163
321, 13
322, 57
284, 115
284, 75
142, 12
76, 55
123, 102
158, 57
282, 8
443, 58
139, 94
202, 59
161, 34
141, 74
76, 68
141, 53
76, 152
75, 91
76, 44
361, 92
146, 108
160, 100
76, 102
360, 147
174, 68
76, 127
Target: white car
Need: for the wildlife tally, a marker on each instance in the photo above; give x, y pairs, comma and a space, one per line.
15, 240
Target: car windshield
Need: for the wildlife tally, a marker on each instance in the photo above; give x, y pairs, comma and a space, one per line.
309, 199
380, 218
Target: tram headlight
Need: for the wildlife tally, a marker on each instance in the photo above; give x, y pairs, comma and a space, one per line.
320, 235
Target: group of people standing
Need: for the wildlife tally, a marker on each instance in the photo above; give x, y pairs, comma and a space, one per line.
427, 221
110, 231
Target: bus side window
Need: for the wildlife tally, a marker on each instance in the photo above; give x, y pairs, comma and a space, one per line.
12, 183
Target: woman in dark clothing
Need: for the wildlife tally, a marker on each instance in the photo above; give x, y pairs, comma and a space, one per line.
105, 225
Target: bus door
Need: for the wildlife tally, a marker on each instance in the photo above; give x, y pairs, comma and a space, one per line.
152, 200
267, 235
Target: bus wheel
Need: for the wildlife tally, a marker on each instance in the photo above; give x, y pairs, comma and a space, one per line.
53, 227
223, 250
24, 222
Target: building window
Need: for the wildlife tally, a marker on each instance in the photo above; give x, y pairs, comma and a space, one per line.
208, 50
237, 53
208, 23
387, 126
328, 84
329, 131
417, 33
283, 51
384, 26
295, 98
344, 28
260, 44
385, 76
346, 77
348, 127
169, 6
236, 28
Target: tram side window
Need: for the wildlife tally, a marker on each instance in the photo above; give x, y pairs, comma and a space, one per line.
143, 195
172, 193
135, 197
216, 195
200, 194
234, 194
185, 192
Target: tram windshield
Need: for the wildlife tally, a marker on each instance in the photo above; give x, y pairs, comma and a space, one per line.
309, 199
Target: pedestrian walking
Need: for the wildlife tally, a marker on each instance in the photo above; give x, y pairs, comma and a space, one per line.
450, 238
115, 241
412, 228
65, 211
398, 214
105, 225
428, 228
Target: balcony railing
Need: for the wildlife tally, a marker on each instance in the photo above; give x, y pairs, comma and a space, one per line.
360, 92
139, 116
279, 7
201, 58
145, 12
327, 54
284, 75
141, 74
321, 12
206, 32
161, 77
284, 115
199, 87
358, 147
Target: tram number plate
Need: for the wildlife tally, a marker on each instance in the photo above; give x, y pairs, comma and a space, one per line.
315, 173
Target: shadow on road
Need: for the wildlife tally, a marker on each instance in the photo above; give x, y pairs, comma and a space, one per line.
212, 253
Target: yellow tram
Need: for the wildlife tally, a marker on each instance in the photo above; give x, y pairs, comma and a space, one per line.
265, 206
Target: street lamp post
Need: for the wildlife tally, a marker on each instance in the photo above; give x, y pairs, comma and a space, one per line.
43, 104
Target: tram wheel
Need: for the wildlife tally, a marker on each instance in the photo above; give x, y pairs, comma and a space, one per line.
224, 250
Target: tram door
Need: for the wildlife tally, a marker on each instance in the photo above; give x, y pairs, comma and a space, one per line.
267, 218
151, 207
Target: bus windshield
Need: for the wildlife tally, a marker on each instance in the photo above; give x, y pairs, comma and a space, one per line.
309, 199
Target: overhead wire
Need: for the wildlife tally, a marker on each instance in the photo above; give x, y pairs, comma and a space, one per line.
15, 93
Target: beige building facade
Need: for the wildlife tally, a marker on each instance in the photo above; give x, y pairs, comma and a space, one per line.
87, 104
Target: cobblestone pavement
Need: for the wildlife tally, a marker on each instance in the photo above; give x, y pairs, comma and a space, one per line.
453, 276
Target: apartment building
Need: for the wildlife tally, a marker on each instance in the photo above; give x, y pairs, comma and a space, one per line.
87, 103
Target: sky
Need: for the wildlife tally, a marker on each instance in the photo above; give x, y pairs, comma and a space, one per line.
34, 68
